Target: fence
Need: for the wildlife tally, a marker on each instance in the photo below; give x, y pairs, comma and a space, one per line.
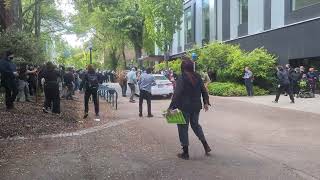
109, 94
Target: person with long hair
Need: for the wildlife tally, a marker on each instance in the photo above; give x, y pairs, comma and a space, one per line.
91, 85
187, 98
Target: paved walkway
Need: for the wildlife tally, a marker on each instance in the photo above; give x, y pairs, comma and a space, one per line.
311, 105
250, 142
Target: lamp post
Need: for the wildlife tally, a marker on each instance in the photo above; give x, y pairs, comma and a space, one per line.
90, 48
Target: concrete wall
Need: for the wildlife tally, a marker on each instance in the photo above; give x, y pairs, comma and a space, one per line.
277, 13
292, 42
234, 18
255, 16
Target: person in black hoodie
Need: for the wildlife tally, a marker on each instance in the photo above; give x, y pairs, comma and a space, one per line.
284, 84
187, 98
51, 88
91, 82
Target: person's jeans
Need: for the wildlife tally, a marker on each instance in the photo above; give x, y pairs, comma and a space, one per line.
133, 91
124, 89
11, 92
88, 93
23, 90
69, 91
284, 88
249, 86
147, 96
193, 119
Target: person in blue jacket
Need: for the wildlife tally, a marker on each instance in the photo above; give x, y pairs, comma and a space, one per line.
9, 73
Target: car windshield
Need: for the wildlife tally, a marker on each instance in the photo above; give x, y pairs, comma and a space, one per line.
160, 78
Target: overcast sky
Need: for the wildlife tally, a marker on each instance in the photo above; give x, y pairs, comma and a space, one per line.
68, 9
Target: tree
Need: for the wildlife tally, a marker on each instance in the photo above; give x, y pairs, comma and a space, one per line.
162, 19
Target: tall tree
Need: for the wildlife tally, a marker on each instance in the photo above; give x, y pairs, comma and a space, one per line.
162, 19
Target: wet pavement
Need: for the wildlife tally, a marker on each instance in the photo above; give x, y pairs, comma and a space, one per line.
250, 141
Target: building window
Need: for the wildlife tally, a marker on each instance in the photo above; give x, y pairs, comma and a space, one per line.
188, 25
205, 21
243, 9
299, 4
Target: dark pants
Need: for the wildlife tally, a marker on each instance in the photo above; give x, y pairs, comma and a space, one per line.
11, 90
147, 96
284, 88
133, 91
52, 96
193, 119
87, 95
124, 89
249, 86
70, 91
295, 87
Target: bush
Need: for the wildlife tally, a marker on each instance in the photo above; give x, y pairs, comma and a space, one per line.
229, 61
24, 46
232, 89
173, 65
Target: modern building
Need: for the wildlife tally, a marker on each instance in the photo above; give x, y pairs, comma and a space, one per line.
289, 29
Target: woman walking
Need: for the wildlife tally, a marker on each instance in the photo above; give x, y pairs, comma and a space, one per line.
187, 98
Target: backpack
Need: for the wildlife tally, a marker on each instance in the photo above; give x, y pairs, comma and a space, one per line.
93, 80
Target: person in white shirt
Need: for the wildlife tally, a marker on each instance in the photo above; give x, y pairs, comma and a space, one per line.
132, 81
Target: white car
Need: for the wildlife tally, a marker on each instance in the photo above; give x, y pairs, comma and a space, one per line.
163, 86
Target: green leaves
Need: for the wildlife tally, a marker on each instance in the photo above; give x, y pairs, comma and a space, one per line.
162, 19
232, 89
229, 61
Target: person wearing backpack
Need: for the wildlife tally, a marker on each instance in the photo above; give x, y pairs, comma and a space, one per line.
91, 85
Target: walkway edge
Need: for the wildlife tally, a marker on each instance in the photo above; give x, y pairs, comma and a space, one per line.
71, 134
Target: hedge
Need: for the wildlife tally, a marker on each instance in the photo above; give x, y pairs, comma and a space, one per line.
232, 89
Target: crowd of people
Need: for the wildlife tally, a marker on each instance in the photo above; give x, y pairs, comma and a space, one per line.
295, 82
190, 88
23, 81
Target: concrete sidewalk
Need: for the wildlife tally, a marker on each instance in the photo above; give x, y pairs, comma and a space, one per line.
301, 104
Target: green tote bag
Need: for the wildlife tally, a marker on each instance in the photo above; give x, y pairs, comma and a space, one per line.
175, 117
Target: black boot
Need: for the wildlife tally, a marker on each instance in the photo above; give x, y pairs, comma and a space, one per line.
185, 154
206, 147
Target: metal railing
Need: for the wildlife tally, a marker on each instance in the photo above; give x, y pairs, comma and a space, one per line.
109, 94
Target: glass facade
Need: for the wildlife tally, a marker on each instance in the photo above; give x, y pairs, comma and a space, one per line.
188, 26
243, 10
299, 4
205, 21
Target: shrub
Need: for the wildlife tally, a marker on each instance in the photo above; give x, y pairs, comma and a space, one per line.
23, 45
174, 65
232, 89
229, 61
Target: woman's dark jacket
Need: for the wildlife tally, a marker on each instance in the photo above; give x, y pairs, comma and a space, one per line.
187, 97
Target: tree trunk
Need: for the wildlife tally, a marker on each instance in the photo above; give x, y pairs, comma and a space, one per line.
9, 15
124, 57
37, 19
138, 51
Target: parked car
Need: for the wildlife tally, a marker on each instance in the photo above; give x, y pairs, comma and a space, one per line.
163, 86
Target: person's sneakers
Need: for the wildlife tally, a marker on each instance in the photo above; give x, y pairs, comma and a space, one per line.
28, 100
140, 115
185, 154
97, 115
45, 110
292, 102
132, 101
150, 116
85, 115
275, 101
